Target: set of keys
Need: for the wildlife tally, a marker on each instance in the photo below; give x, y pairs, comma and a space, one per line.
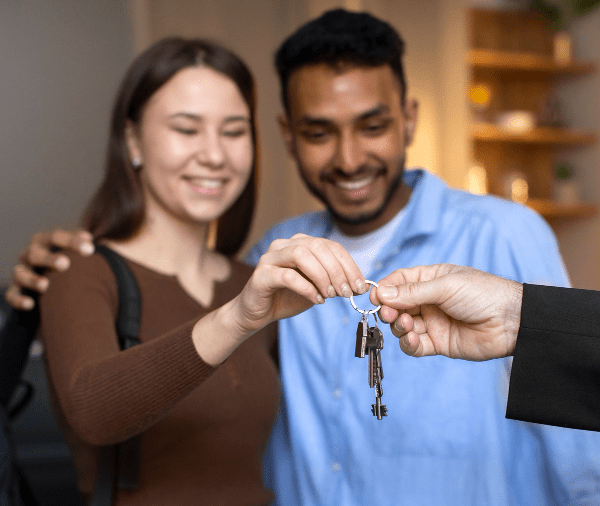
369, 341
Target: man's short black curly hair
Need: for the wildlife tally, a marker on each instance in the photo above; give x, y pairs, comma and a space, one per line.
341, 37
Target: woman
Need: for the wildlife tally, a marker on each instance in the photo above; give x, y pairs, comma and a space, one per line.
181, 155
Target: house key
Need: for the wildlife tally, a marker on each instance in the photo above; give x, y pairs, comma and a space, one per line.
369, 341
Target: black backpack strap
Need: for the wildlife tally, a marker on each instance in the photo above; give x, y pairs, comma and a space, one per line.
130, 304
124, 457
14, 489
17, 331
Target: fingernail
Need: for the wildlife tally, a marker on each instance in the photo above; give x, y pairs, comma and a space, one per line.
86, 248
387, 291
331, 291
346, 291
27, 305
42, 285
320, 299
361, 286
62, 263
398, 325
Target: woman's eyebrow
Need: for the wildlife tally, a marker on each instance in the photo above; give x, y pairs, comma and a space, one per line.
187, 115
197, 117
237, 118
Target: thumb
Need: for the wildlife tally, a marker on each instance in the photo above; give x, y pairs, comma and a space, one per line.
409, 295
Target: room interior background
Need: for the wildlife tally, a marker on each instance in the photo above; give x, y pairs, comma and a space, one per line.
62, 61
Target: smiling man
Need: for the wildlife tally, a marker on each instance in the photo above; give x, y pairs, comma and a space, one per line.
347, 128
445, 441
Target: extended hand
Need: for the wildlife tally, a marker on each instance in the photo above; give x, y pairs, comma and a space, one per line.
450, 310
293, 275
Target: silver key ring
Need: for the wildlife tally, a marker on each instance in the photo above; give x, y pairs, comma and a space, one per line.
364, 311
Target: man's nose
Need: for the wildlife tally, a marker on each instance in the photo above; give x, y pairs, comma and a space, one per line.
350, 154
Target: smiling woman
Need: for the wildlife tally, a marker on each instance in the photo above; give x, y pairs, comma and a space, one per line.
150, 90
182, 154
194, 142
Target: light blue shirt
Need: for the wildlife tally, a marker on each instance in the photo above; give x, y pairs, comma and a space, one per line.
445, 441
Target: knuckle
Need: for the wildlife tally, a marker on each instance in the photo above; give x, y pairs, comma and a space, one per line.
300, 253
276, 244
17, 269
56, 235
10, 294
263, 261
412, 289
316, 244
288, 276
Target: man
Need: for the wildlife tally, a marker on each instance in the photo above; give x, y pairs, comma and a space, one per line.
553, 333
445, 441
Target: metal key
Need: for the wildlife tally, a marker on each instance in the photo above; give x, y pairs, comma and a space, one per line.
361, 337
373, 348
369, 341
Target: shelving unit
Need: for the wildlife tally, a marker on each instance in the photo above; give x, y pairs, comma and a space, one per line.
511, 53
489, 132
526, 62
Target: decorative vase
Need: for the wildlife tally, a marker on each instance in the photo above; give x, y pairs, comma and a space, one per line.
516, 187
477, 181
563, 50
566, 191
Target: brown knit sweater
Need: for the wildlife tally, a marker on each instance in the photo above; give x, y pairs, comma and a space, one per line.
203, 428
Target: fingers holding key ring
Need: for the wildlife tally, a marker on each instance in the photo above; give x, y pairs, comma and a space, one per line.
364, 311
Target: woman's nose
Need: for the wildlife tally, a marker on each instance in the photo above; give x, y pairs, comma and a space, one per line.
210, 150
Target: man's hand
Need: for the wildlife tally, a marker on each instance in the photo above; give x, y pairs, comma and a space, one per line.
450, 310
43, 253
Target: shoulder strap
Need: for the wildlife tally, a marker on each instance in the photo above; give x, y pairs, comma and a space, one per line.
17, 330
124, 457
130, 305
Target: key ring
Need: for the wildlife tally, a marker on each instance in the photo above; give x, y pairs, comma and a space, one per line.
364, 311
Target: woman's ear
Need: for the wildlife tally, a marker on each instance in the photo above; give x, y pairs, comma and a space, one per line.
133, 145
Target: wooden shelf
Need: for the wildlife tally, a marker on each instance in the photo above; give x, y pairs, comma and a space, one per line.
511, 53
540, 135
551, 209
527, 62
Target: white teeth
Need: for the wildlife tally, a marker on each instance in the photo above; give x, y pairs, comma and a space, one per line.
355, 185
209, 184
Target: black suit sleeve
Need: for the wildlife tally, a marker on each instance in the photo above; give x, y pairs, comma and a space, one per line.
555, 378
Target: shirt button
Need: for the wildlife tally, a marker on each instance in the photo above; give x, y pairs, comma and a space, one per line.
337, 393
336, 466
345, 320
377, 266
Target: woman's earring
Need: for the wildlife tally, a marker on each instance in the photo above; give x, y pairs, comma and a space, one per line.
137, 163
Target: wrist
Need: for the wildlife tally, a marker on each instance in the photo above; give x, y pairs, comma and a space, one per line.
218, 334
513, 314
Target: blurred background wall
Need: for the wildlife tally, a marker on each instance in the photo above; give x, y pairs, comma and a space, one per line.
62, 61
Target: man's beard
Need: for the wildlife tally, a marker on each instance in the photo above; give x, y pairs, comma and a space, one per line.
362, 218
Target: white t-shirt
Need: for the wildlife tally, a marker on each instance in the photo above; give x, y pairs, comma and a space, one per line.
365, 248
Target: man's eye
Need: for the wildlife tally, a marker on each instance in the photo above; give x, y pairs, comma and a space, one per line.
375, 128
315, 135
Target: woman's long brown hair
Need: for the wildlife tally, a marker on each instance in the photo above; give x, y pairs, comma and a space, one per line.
117, 209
